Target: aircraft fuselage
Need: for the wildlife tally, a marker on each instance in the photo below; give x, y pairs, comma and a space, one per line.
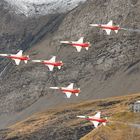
74, 91
109, 27
22, 58
96, 119
84, 45
52, 63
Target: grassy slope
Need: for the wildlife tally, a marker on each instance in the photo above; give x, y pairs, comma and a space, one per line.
63, 121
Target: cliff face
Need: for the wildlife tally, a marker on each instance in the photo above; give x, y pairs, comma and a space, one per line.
110, 67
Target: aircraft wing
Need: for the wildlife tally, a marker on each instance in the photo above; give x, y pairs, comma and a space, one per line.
81, 40
17, 61
68, 94
50, 67
110, 23
19, 53
97, 115
108, 31
70, 86
95, 123
53, 59
78, 48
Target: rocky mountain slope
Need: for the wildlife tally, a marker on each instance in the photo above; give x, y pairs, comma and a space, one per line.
61, 123
110, 67
43, 7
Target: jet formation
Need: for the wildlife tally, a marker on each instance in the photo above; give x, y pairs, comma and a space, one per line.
69, 90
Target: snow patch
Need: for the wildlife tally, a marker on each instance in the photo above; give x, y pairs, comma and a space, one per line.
43, 7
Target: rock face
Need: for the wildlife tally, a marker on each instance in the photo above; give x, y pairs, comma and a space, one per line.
110, 67
43, 7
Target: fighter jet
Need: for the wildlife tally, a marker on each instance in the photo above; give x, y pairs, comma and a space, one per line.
96, 119
17, 57
69, 90
50, 63
78, 44
108, 27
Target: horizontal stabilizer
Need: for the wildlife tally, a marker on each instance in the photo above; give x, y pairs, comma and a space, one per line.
104, 124
77, 94
116, 31
59, 67
26, 61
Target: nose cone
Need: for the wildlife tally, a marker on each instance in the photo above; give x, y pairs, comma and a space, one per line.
94, 25
36, 60
3, 54
54, 87
83, 117
64, 42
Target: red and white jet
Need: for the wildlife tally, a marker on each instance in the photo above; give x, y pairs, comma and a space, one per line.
17, 57
50, 63
96, 119
78, 44
108, 27
69, 90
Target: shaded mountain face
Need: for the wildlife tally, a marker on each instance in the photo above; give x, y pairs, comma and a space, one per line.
110, 67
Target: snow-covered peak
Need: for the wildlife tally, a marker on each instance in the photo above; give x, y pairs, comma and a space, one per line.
42, 7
